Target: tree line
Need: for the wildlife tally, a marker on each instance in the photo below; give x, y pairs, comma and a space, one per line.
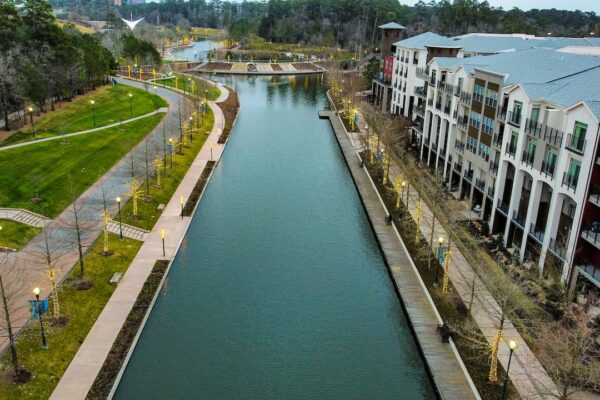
42, 63
346, 23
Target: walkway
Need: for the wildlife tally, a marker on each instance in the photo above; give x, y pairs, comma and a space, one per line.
450, 376
86, 364
24, 217
526, 373
26, 268
14, 146
129, 231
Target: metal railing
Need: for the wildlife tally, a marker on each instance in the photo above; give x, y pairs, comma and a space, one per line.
528, 158
420, 111
501, 113
491, 102
519, 219
548, 169
423, 72
460, 146
497, 140
502, 206
511, 148
544, 132
575, 143
487, 129
468, 174
465, 98
458, 167
569, 181
480, 184
558, 248
494, 168
462, 121
514, 119
478, 97
534, 233
418, 128
591, 236
420, 91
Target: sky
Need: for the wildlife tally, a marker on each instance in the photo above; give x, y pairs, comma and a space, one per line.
583, 5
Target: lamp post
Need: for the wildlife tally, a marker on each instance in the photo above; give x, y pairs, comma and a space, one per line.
36, 292
512, 346
191, 128
162, 236
130, 104
120, 222
181, 201
92, 102
32, 124
437, 265
403, 185
171, 147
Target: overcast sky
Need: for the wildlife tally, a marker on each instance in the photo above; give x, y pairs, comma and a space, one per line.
583, 5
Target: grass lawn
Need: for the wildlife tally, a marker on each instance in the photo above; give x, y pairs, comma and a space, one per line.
147, 209
213, 91
47, 165
15, 235
82, 307
111, 105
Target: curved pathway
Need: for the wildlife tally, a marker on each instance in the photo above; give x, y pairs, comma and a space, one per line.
25, 269
82, 371
14, 146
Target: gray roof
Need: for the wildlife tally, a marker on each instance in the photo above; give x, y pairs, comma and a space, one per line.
570, 90
392, 25
527, 66
426, 39
490, 44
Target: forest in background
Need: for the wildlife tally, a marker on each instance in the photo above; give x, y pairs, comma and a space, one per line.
346, 23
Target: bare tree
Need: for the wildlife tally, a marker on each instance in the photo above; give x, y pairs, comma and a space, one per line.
570, 350
11, 291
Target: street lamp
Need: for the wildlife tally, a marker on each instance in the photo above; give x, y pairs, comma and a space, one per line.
120, 222
437, 265
162, 236
211, 146
512, 346
32, 124
130, 104
171, 147
403, 185
191, 127
36, 292
93, 111
181, 201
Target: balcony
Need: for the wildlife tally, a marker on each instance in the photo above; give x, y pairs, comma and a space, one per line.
487, 129
590, 271
432, 80
468, 174
519, 219
528, 158
575, 144
494, 169
458, 167
514, 119
420, 91
569, 181
490, 192
418, 128
591, 237
491, 102
480, 184
459, 146
445, 87
475, 123
447, 110
558, 249
503, 207
595, 199
511, 149
423, 73
462, 121
430, 102
497, 140
550, 135
455, 114
548, 169
536, 233
501, 114
420, 111
465, 98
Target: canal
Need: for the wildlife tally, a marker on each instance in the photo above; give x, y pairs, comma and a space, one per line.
279, 290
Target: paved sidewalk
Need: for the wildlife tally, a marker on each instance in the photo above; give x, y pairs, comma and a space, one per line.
129, 231
526, 372
14, 146
88, 361
24, 217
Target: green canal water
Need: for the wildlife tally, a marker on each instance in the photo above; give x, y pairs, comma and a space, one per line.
279, 290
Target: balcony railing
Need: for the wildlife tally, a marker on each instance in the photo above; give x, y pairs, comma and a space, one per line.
592, 237
490, 192
535, 233
420, 91
459, 146
475, 123
458, 167
487, 129
462, 121
468, 174
447, 111
501, 114
445, 87
478, 97
558, 248
511, 148
519, 219
432, 80
502, 206
528, 158
480, 184
491, 102
423, 72
497, 140
418, 128
420, 111
430, 102
514, 119
548, 169
455, 114
465, 98
550, 135
575, 143
569, 181
494, 168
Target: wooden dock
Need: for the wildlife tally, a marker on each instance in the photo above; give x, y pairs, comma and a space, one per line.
448, 373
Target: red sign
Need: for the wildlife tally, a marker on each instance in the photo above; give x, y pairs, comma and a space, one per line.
388, 64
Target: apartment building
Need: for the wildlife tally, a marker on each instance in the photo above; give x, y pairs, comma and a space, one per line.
514, 135
381, 87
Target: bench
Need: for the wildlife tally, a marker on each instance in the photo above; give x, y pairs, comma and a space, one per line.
115, 278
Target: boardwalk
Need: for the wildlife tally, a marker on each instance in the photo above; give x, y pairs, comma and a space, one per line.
449, 374
86, 364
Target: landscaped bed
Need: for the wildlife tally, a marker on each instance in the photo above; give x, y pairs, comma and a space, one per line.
14, 235
230, 108
82, 307
190, 204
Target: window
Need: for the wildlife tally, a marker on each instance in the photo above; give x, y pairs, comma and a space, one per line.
487, 125
478, 93
579, 132
517, 107
512, 146
529, 155
475, 119
484, 151
471, 144
550, 161
535, 115
573, 176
